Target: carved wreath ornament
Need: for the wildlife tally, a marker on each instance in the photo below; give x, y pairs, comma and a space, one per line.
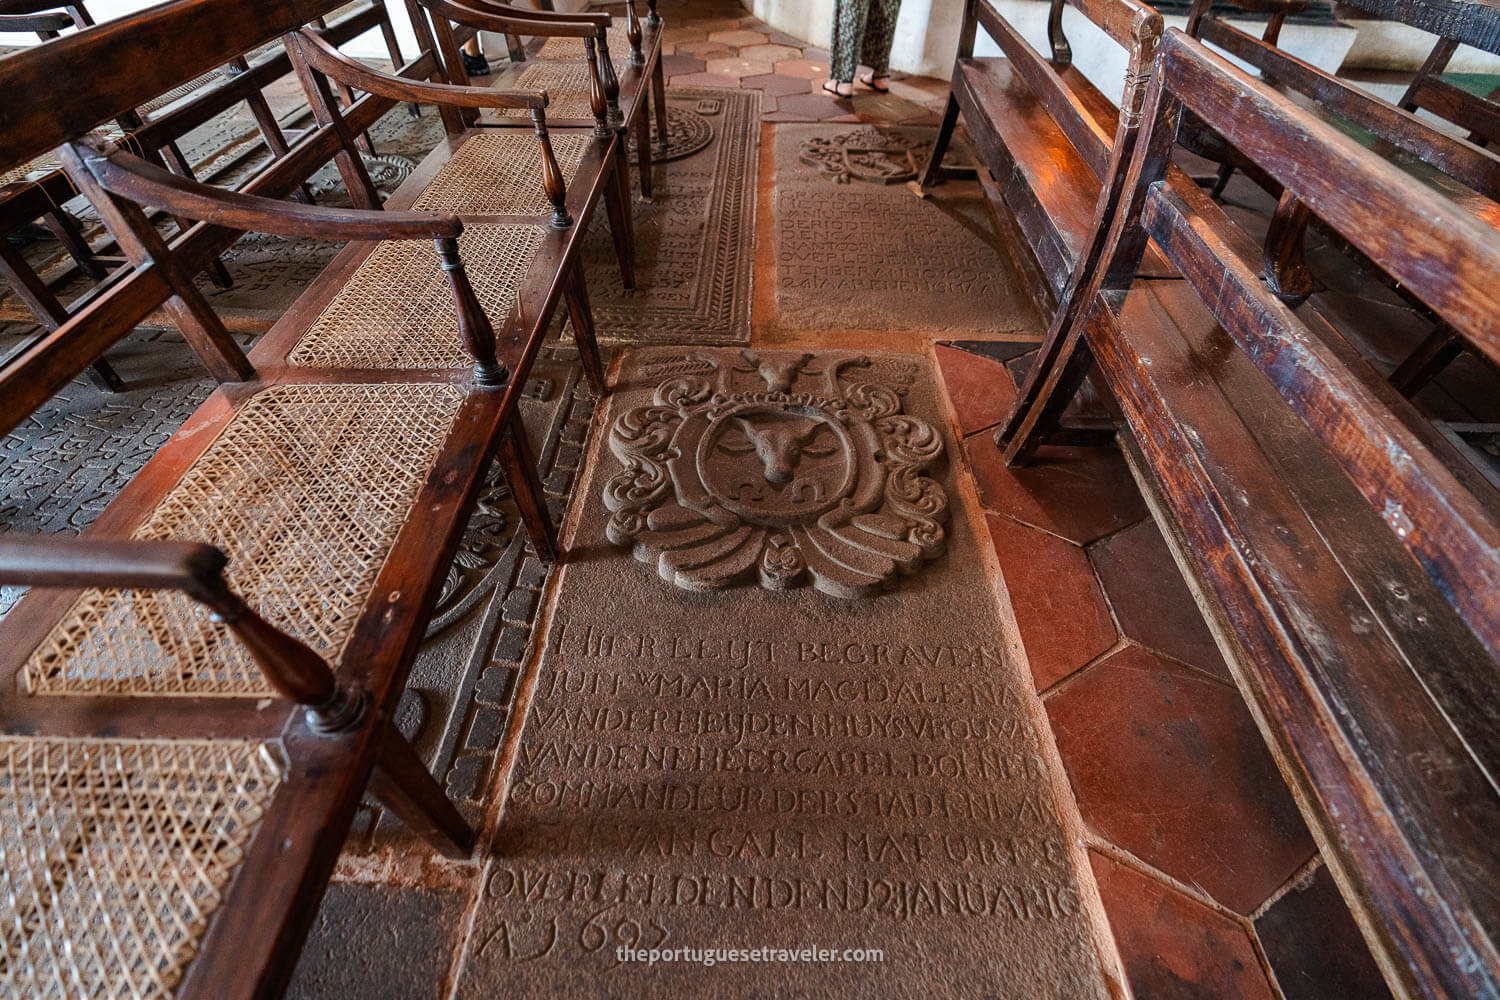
819, 478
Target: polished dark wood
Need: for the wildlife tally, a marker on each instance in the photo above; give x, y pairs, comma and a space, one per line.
1350, 574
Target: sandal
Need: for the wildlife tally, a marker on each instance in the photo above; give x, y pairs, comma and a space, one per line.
836, 90
882, 87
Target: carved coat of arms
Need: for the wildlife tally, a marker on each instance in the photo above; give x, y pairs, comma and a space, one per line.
867, 154
782, 468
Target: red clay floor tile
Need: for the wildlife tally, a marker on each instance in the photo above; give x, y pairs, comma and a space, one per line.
738, 38
1174, 947
1168, 765
678, 65
1078, 493
776, 85
813, 106
1151, 600
1059, 610
706, 80
809, 68
1314, 946
981, 389
738, 67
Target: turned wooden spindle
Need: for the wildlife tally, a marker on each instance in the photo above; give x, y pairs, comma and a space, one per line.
633, 33
552, 177
473, 325
611, 82
597, 100
652, 17
293, 669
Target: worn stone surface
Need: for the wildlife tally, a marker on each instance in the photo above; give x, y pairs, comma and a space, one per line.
778, 769
857, 253
375, 942
693, 242
459, 693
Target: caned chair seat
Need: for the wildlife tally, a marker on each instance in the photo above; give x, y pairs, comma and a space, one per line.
397, 310
114, 854
566, 84
500, 174
573, 48
305, 488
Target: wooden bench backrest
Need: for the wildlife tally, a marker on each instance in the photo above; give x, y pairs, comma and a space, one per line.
1463, 161
1427, 881
1133, 25
57, 107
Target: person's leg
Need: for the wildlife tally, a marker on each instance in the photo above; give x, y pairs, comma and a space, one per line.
849, 17
475, 64
880, 34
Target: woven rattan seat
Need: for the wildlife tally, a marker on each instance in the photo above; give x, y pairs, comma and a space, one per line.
397, 311
572, 48
500, 174
567, 87
305, 489
115, 853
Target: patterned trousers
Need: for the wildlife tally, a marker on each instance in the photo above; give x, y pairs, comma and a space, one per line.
862, 33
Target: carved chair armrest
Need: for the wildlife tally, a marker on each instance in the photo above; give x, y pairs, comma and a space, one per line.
295, 670
486, 16
34, 7
542, 18
136, 180
328, 60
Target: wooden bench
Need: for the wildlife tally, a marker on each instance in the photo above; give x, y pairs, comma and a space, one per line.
1461, 169
198, 692
1048, 136
1351, 577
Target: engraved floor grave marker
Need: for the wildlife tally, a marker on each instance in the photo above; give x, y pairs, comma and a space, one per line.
783, 769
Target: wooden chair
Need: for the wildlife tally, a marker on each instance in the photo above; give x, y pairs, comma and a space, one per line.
38, 186
1351, 574
198, 692
575, 64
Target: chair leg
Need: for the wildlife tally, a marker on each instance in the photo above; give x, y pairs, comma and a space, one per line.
659, 96
70, 235
621, 227
582, 317
403, 785
643, 151
932, 173
526, 487
1226, 171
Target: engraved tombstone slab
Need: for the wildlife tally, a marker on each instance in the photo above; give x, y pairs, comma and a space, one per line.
856, 250
751, 767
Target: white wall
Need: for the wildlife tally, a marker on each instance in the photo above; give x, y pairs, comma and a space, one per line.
927, 37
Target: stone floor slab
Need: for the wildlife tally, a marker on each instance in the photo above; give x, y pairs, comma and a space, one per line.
855, 249
759, 767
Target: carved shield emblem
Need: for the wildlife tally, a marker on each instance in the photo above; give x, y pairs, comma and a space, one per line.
782, 468
866, 154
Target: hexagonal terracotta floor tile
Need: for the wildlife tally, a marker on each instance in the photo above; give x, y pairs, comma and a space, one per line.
1314, 945
770, 53
738, 68
706, 80
1169, 765
813, 107
776, 85
1174, 946
1059, 610
1078, 493
1151, 600
738, 38
677, 64
980, 389
809, 68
